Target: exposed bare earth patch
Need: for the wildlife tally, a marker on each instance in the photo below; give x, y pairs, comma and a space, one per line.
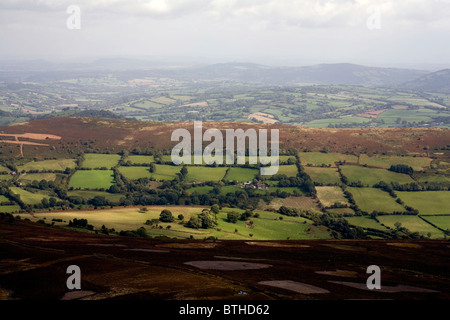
404, 245
371, 114
264, 117
24, 142
344, 247
77, 294
34, 136
5, 294
107, 245
295, 286
400, 107
45, 239
385, 289
304, 203
227, 265
237, 258
339, 273
188, 245
148, 250
276, 245
196, 104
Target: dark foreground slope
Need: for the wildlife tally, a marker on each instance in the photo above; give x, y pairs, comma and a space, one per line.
35, 258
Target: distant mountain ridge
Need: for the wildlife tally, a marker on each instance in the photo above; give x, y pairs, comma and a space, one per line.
321, 74
438, 81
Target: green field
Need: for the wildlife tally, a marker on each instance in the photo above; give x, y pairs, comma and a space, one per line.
365, 222
230, 189
427, 202
331, 195
285, 159
92, 179
288, 170
266, 227
127, 219
9, 208
165, 172
390, 116
255, 160
87, 195
4, 199
29, 197
371, 176
196, 174
4, 169
324, 123
417, 163
164, 100
412, 223
140, 159
48, 165
241, 174
372, 199
135, 173
442, 222
432, 177
148, 104
323, 175
200, 189
38, 176
97, 160
319, 158
341, 211
5, 177
168, 159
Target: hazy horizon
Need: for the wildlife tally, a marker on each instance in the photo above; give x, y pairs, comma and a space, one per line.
145, 62
382, 33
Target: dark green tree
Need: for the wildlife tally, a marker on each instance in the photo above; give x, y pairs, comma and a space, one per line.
166, 216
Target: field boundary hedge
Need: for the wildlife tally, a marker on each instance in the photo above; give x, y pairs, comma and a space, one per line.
433, 225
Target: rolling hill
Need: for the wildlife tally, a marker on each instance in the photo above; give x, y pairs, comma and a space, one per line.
113, 135
128, 69
438, 81
324, 74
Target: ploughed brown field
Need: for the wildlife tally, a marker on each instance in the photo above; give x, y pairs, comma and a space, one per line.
34, 259
116, 135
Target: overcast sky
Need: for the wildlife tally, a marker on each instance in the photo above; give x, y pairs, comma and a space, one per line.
274, 32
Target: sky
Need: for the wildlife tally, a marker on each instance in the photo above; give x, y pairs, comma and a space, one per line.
403, 33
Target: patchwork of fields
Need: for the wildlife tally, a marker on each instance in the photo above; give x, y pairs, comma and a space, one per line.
344, 186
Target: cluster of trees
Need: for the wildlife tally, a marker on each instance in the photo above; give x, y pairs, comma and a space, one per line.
166, 216
80, 223
240, 198
412, 186
291, 212
233, 217
386, 187
298, 181
401, 168
205, 220
341, 228
140, 232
